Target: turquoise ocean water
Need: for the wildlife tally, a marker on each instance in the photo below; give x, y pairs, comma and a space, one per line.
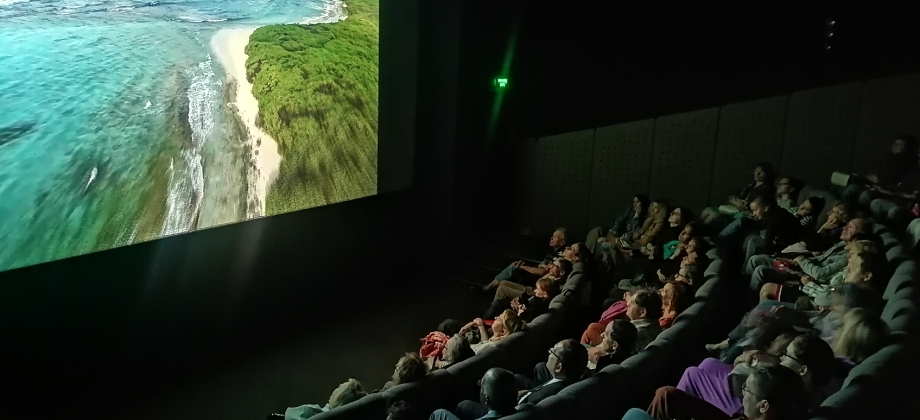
113, 128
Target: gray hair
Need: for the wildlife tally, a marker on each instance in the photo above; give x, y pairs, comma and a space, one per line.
564, 233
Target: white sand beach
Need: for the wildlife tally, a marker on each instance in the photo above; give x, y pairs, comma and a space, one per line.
230, 45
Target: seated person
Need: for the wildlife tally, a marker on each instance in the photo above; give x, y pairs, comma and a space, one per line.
630, 221
779, 229
787, 193
676, 296
861, 267
347, 392
644, 309
626, 246
576, 254
808, 212
739, 204
888, 172
618, 342
565, 365
712, 392
498, 395
529, 305
557, 243
692, 266
770, 392
827, 320
862, 335
402, 410
762, 269
509, 290
893, 204
409, 368
504, 325
455, 351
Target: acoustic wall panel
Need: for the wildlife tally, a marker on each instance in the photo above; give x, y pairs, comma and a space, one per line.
622, 154
682, 158
562, 182
749, 132
524, 183
890, 107
821, 132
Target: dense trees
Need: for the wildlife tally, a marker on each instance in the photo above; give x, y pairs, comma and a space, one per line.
317, 92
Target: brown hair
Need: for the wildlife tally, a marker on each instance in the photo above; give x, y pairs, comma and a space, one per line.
680, 298
410, 368
513, 323
545, 284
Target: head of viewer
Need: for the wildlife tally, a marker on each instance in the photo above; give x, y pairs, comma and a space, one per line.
575, 252
347, 392
457, 349
772, 392
688, 232
644, 304
640, 203
498, 390
858, 225
620, 336
506, 324
560, 268
409, 368
543, 288
760, 205
658, 210
764, 173
866, 268
812, 358
559, 238
811, 206
680, 216
567, 360
862, 335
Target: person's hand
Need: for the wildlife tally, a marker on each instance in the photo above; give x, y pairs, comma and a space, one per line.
806, 279
521, 309
817, 253
478, 322
798, 260
661, 277
467, 328
911, 196
522, 393
747, 357
517, 263
595, 353
873, 178
599, 240
515, 304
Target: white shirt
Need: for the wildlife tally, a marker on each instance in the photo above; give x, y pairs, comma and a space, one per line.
549, 382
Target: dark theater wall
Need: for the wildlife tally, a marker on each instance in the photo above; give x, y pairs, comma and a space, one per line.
101, 329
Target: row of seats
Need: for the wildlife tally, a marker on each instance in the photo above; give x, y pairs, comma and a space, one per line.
445, 388
874, 389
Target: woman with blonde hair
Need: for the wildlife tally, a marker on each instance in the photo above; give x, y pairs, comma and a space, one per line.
349, 391
862, 336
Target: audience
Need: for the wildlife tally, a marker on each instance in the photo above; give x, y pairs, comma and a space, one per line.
498, 395
518, 269
764, 269
625, 225
770, 392
818, 314
888, 172
347, 392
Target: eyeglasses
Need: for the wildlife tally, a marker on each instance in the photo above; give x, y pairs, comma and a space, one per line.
744, 389
786, 354
554, 354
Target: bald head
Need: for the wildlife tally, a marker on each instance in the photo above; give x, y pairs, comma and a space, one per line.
499, 390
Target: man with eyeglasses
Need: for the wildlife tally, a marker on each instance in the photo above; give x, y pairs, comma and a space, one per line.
565, 365
770, 392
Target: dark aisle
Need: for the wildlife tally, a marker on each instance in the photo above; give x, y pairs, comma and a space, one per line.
306, 370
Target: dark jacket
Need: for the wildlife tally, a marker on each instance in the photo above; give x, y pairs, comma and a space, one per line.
535, 306
627, 222
610, 359
781, 229
751, 191
892, 169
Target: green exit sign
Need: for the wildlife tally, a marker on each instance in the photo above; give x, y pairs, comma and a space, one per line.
500, 83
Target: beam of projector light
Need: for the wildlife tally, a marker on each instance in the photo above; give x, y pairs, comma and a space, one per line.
506, 68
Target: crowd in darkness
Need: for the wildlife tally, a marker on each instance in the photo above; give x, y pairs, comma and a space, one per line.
814, 272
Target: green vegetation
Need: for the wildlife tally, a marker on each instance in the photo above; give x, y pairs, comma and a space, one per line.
317, 92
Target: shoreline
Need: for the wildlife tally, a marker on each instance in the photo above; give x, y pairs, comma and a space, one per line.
229, 45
